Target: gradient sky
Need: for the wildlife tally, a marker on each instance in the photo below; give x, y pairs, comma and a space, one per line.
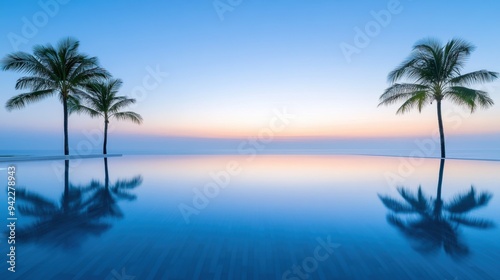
225, 77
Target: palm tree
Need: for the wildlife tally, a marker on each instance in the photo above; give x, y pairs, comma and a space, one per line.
66, 224
432, 224
81, 213
101, 100
105, 197
433, 73
60, 70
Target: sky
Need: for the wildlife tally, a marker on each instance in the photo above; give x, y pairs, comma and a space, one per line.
208, 72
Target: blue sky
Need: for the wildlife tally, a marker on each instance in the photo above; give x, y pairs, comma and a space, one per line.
227, 75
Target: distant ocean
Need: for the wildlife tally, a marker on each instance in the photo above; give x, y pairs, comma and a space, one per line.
477, 154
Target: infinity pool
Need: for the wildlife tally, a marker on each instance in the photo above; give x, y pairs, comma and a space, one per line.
263, 217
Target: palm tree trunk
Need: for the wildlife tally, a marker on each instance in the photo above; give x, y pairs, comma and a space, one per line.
65, 107
106, 174
439, 202
441, 129
66, 186
104, 151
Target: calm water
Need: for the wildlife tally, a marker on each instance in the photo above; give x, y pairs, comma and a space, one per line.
267, 217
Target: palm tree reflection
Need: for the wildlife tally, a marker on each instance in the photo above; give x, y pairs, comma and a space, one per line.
105, 197
81, 212
433, 224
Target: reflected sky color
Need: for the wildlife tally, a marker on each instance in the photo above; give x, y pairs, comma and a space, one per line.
226, 77
268, 218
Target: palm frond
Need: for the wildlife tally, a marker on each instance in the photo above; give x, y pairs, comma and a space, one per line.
73, 104
47, 55
120, 187
114, 85
418, 100
21, 100
481, 76
26, 63
430, 65
397, 222
121, 102
473, 222
125, 195
419, 202
455, 54
35, 83
32, 204
88, 111
89, 74
128, 184
406, 69
395, 206
455, 247
467, 202
128, 116
92, 186
470, 98
398, 92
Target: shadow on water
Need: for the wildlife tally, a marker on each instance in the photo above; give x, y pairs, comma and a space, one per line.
83, 211
431, 224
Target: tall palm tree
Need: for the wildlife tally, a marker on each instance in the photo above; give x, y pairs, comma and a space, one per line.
433, 72
60, 70
433, 224
101, 100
